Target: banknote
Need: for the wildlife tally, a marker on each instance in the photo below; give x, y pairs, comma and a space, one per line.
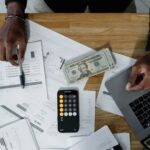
90, 65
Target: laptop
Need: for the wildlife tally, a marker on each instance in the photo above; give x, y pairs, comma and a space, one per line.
135, 106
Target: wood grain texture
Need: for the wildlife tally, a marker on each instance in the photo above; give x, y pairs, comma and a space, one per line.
123, 33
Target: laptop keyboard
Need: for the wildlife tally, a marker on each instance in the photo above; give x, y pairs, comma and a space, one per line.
141, 108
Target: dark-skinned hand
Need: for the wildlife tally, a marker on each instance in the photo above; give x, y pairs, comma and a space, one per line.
12, 32
140, 75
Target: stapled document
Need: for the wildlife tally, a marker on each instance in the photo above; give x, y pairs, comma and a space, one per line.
18, 135
9, 116
33, 65
43, 117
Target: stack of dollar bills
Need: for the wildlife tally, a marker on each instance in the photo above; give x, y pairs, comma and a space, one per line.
90, 65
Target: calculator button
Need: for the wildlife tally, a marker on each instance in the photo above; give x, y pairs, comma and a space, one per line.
65, 105
70, 105
74, 100
65, 109
65, 96
61, 101
65, 100
61, 105
61, 96
70, 109
65, 114
74, 109
61, 109
74, 114
69, 100
74, 105
61, 114
74, 96
70, 114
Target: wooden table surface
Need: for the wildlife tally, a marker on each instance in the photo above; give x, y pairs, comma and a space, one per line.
123, 33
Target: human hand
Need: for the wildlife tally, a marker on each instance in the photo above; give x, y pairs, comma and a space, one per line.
140, 75
13, 32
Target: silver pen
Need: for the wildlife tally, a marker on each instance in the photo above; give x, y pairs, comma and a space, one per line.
22, 74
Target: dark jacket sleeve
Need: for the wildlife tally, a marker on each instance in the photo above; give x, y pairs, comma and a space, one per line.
24, 2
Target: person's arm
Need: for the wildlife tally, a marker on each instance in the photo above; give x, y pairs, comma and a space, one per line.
13, 31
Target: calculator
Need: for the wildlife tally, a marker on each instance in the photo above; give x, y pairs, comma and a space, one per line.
68, 110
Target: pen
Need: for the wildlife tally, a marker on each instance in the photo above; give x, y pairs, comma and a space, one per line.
22, 75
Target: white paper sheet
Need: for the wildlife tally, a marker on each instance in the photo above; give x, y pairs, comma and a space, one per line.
44, 118
18, 136
142, 6
103, 139
75, 140
53, 149
124, 140
6, 116
104, 100
35, 89
57, 49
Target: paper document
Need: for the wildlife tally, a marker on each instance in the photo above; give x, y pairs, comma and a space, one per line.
43, 117
57, 49
104, 99
103, 139
124, 140
53, 149
10, 74
6, 116
33, 66
18, 136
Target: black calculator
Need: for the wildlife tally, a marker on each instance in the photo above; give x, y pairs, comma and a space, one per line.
68, 110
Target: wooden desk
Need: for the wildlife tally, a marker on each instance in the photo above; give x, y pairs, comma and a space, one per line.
124, 33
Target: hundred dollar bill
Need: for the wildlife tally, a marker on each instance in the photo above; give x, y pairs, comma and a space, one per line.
89, 65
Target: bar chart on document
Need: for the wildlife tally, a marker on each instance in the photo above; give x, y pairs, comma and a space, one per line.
35, 84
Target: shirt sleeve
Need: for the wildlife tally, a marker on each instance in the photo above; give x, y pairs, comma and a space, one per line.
24, 2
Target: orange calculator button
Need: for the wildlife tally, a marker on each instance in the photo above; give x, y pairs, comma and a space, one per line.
61, 105
61, 96
61, 114
61, 110
61, 101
